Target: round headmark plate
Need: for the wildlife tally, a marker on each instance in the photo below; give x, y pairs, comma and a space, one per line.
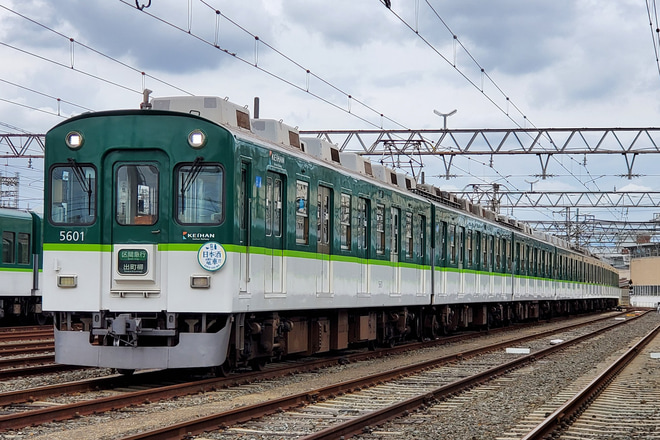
211, 256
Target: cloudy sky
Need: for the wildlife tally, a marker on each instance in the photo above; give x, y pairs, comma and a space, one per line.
561, 63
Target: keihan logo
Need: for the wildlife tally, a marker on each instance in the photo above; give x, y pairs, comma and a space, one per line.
197, 236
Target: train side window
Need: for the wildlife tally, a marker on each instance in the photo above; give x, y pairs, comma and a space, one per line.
484, 251
470, 245
302, 212
277, 208
452, 243
136, 194
441, 230
422, 239
362, 223
73, 194
269, 206
380, 229
394, 250
408, 228
8, 247
461, 244
324, 212
23, 248
200, 194
345, 221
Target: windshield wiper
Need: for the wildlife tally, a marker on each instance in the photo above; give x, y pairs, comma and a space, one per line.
86, 186
189, 178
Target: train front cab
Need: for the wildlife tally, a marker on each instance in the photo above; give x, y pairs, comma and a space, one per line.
127, 238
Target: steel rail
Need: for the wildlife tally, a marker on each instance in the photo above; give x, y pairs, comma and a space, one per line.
221, 420
26, 335
63, 412
26, 347
566, 413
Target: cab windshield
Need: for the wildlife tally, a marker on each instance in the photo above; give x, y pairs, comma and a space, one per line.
73, 194
200, 194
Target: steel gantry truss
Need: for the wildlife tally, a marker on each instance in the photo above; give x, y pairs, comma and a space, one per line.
495, 197
23, 145
449, 143
603, 237
406, 149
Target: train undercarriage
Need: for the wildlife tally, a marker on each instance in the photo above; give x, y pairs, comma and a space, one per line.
254, 339
261, 337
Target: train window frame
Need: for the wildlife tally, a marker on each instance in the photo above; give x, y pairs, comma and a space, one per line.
452, 243
345, 221
395, 245
24, 250
362, 223
380, 229
302, 212
85, 175
8, 247
138, 215
278, 211
443, 231
461, 245
408, 233
421, 245
469, 245
195, 172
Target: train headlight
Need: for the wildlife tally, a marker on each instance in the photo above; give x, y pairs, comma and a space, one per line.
197, 139
67, 280
200, 281
74, 140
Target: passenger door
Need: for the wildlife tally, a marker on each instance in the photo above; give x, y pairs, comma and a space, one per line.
324, 238
274, 264
139, 218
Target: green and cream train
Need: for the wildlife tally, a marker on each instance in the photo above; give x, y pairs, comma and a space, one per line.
186, 234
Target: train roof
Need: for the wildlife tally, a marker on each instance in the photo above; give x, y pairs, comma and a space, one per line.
237, 120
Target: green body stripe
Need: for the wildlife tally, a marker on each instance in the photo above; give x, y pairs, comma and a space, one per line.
231, 248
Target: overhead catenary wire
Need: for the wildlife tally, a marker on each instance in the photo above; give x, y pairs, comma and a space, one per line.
652, 12
74, 42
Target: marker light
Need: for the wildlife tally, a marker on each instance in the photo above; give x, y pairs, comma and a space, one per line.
200, 281
74, 140
67, 280
197, 139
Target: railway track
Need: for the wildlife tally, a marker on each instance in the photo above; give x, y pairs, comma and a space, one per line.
122, 390
27, 351
37, 333
621, 402
353, 407
18, 414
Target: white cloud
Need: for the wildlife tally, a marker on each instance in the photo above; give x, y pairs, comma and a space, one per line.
563, 64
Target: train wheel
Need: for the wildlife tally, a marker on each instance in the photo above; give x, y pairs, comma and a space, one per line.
258, 364
125, 372
222, 370
41, 318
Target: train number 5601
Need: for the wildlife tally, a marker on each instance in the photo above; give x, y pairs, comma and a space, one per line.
72, 236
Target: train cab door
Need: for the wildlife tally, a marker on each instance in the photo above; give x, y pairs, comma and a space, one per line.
274, 270
324, 238
139, 221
